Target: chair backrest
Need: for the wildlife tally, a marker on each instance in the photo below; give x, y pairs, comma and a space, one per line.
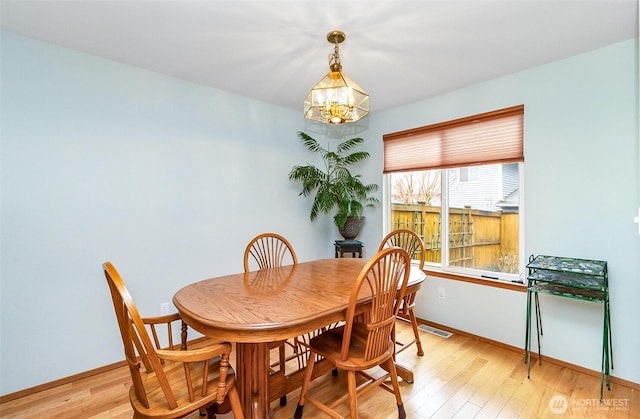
268, 250
385, 278
135, 337
407, 240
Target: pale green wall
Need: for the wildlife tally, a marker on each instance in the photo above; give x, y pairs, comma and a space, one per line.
169, 180
581, 192
103, 161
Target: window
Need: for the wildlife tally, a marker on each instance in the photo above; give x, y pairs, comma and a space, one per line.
469, 174
458, 184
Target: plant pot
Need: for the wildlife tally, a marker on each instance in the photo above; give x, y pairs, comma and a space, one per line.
352, 227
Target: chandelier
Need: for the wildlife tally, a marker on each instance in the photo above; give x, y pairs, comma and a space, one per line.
336, 98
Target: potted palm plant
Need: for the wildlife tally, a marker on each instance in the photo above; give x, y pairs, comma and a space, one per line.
335, 186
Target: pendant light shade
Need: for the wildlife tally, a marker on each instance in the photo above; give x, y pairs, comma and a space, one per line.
336, 98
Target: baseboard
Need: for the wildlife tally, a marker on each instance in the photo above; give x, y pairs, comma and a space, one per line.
66, 380
70, 379
62, 381
534, 356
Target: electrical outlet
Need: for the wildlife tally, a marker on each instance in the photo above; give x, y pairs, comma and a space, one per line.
441, 292
165, 308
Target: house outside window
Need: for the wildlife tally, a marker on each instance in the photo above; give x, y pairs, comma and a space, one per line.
468, 212
469, 174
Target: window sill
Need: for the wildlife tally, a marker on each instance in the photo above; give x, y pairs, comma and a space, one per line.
514, 286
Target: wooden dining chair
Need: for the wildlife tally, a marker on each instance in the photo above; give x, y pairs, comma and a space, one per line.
175, 381
413, 244
360, 345
271, 250
268, 250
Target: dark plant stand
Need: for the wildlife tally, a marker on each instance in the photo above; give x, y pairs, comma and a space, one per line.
348, 246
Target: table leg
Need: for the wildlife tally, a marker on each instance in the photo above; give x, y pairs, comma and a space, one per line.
527, 338
405, 373
538, 327
607, 351
252, 375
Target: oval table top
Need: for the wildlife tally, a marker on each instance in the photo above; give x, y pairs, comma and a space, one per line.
276, 303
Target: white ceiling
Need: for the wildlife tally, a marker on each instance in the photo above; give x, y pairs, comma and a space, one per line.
275, 51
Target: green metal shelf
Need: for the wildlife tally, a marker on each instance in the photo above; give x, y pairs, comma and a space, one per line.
580, 279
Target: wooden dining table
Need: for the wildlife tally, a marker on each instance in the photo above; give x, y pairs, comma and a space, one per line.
253, 309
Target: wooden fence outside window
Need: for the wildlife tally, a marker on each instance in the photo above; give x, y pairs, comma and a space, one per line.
478, 239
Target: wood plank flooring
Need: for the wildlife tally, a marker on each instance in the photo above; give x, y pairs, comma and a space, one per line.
460, 377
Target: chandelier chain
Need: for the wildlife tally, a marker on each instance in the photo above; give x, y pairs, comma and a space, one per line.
334, 59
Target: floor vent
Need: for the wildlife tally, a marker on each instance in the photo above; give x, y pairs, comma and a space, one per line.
434, 331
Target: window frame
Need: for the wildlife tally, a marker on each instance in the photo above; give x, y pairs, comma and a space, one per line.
444, 269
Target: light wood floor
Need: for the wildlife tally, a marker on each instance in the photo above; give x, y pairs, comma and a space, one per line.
460, 377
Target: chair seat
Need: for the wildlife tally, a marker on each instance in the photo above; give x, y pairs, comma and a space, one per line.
329, 345
174, 372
